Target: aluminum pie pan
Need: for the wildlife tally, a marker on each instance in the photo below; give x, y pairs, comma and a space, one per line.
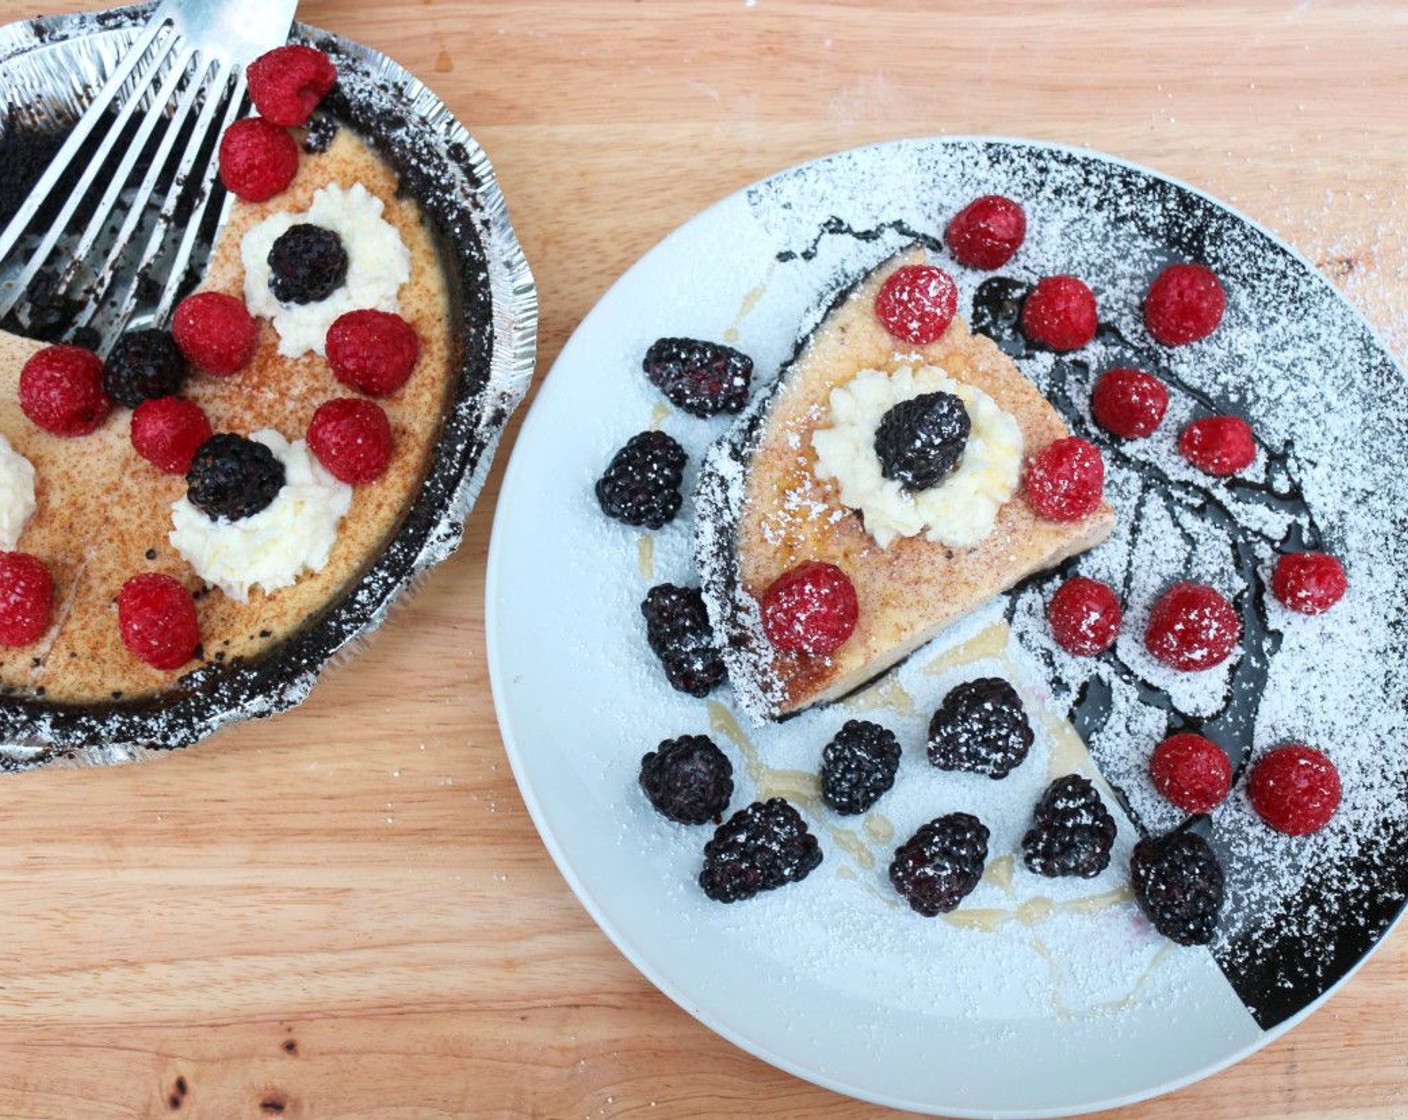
49, 68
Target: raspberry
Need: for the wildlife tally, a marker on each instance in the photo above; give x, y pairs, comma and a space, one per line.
287, 83
759, 848
215, 331
938, 867
307, 263
373, 352
231, 477
981, 727
810, 609
1191, 771
1192, 627
916, 303
986, 232
257, 159
157, 619
1085, 616
1060, 313
1295, 789
920, 442
1218, 445
1129, 402
143, 365
1072, 832
703, 378
167, 431
1179, 885
1184, 304
858, 766
678, 631
61, 390
26, 593
1308, 582
688, 779
1066, 480
351, 438
641, 485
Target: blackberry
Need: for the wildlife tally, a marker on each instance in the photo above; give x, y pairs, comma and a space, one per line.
677, 628
641, 485
858, 765
703, 378
938, 867
688, 779
760, 848
1072, 832
232, 477
143, 365
1179, 885
306, 264
919, 442
981, 726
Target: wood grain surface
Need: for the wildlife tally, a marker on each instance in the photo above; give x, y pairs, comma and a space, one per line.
345, 911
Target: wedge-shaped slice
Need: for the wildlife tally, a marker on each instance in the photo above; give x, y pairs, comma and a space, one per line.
762, 510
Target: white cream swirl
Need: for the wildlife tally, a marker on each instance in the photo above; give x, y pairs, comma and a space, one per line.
16, 494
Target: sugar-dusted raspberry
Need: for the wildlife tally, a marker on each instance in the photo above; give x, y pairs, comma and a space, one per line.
373, 352
1218, 445
1129, 402
257, 159
986, 232
1085, 616
215, 331
1191, 771
26, 597
810, 609
157, 619
916, 303
1192, 627
166, 431
1065, 480
351, 438
287, 83
1308, 582
1295, 789
1060, 313
1185, 303
61, 390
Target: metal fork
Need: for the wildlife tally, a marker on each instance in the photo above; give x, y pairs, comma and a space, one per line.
109, 230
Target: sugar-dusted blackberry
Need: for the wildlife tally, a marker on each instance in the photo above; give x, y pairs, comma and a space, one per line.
232, 477
981, 726
938, 867
688, 779
703, 378
858, 765
1179, 885
641, 485
307, 263
677, 628
1071, 833
142, 366
919, 442
760, 848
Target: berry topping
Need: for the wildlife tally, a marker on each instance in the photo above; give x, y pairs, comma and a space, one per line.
760, 848
920, 442
938, 867
1072, 832
1184, 304
858, 765
1192, 627
257, 159
351, 438
916, 303
1060, 313
1308, 582
215, 331
1129, 402
1085, 616
1219, 445
287, 83
677, 628
986, 232
157, 619
143, 365
1191, 771
811, 608
61, 390
1294, 789
982, 727
166, 432
307, 263
1065, 480
373, 352
1179, 885
26, 594
688, 779
641, 485
232, 477
703, 378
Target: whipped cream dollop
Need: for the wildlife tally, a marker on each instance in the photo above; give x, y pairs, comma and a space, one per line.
378, 263
959, 511
16, 494
272, 548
